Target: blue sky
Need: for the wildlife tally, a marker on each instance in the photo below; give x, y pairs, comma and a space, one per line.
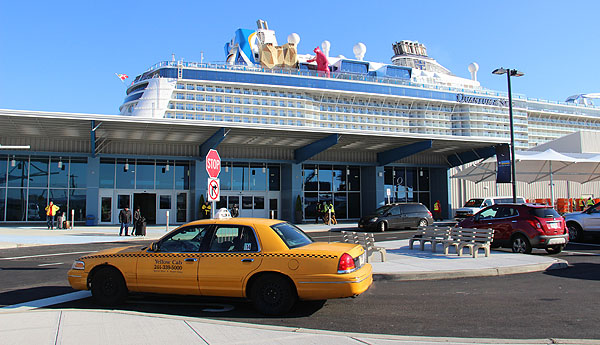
63, 55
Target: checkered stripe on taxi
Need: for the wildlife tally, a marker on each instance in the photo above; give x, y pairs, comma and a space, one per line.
218, 255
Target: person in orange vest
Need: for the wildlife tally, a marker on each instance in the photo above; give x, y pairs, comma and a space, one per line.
437, 210
51, 210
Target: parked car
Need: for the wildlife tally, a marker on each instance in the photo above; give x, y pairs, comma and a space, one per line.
477, 204
586, 222
397, 216
271, 262
522, 227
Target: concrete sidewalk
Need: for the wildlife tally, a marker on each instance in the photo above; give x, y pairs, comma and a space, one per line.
125, 327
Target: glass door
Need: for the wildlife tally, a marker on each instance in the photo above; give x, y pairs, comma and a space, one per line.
181, 208
106, 209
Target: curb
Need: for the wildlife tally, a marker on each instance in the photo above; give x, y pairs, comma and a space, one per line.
484, 272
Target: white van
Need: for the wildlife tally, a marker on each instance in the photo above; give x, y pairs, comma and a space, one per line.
476, 204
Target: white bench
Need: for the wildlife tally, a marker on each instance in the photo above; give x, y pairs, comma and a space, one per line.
432, 234
474, 239
365, 239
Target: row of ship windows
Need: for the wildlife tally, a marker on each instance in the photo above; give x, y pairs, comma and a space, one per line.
291, 113
351, 107
266, 111
422, 127
542, 122
303, 96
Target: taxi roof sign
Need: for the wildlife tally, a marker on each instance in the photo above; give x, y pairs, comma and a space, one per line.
223, 213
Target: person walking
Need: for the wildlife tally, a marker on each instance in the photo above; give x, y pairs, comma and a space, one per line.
331, 213
590, 202
206, 208
319, 212
124, 219
235, 211
138, 223
51, 210
437, 210
325, 211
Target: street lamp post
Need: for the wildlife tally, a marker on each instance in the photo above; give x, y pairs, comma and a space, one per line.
509, 73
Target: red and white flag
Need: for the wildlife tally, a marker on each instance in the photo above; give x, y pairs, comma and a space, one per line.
122, 76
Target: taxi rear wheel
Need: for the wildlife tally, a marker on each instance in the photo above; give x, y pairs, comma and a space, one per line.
108, 287
273, 294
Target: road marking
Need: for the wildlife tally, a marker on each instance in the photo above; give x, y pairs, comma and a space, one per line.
52, 264
585, 244
579, 253
44, 302
43, 255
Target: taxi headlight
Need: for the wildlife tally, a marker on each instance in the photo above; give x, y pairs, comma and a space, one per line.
78, 265
372, 220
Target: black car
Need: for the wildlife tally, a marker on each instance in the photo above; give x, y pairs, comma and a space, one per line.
397, 216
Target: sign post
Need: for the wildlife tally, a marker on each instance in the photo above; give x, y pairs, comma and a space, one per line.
213, 168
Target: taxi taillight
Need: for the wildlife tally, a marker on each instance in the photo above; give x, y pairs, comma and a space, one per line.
346, 264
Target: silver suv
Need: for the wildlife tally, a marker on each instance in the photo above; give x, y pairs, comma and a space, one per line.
583, 223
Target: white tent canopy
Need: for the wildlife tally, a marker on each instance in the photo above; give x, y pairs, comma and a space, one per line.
534, 166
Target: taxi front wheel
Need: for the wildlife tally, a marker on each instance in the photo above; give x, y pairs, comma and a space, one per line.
272, 294
108, 287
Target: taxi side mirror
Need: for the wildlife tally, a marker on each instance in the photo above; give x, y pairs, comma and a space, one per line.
476, 217
154, 246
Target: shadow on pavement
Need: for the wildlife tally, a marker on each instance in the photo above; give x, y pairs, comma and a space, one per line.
583, 270
195, 306
31, 294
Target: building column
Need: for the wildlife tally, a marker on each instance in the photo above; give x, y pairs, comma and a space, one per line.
199, 186
371, 188
291, 188
439, 182
92, 198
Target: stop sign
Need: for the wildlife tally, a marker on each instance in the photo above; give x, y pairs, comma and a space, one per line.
213, 163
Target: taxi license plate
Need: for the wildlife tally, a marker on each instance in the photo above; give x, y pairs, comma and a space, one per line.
556, 241
361, 259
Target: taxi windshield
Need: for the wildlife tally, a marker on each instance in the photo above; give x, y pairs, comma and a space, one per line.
291, 235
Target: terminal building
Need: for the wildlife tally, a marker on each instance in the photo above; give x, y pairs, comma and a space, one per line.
291, 131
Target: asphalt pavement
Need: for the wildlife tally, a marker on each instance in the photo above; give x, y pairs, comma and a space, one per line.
29, 321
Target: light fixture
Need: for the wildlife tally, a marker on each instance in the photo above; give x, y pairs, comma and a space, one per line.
13, 163
167, 166
60, 163
126, 167
264, 169
511, 73
226, 168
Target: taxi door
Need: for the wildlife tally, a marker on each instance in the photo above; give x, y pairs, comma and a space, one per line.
172, 267
231, 255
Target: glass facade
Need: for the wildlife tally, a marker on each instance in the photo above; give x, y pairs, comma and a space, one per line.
408, 184
28, 183
144, 174
338, 184
237, 176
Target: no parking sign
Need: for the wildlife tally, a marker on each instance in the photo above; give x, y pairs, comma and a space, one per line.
214, 190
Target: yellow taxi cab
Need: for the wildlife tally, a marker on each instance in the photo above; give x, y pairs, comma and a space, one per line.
271, 262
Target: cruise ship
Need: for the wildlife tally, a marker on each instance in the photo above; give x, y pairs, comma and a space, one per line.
294, 127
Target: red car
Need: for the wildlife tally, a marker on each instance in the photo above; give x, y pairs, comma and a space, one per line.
522, 227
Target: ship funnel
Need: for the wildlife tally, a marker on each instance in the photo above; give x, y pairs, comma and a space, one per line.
359, 50
325, 47
473, 68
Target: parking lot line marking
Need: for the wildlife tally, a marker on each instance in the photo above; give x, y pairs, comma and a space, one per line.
44, 302
580, 253
52, 264
42, 255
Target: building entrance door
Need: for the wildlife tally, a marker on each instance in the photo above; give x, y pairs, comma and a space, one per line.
147, 204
